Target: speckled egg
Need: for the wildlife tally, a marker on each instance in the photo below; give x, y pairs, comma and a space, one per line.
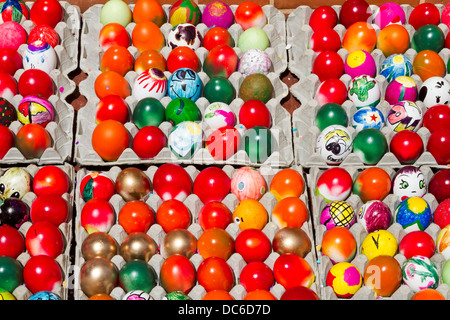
39, 55
184, 35
396, 65
8, 113
334, 144
185, 139
360, 62
218, 115
367, 117
254, 61
404, 115
402, 88
364, 91
374, 215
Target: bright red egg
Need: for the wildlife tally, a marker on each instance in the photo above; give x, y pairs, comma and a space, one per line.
10, 60
42, 273
212, 184
7, 139
253, 245
407, 146
323, 17
44, 238
256, 276
171, 181
12, 242
36, 82
217, 36
214, 214
50, 180
148, 142
437, 117
254, 113
214, 273
50, 208
48, 12
439, 146
417, 243
44, 33
114, 34
328, 65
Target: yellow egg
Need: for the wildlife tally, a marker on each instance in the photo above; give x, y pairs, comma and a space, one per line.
250, 214
377, 243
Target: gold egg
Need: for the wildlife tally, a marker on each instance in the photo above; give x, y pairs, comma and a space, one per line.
179, 241
98, 275
138, 245
133, 184
291, 240
99, 244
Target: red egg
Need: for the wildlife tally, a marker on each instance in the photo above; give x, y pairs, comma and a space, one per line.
117, 58
441, 215
44, 238
323, 17
212, 184
8, 86
424, 13
217, 36
171, 181
7, 139
148, 142
214, 214
42, 273
173, 214
299, 293
439, 146
32, 140
437, 117
48, 12
417, 243
114, 34
224, 142
328, 65
221, 61
249, 14
325, 40
12, 35
12, 243
50, 208
334, 184
96, 185
291, 270
253, 245
353, 11
407, 146
177, 274
214, 273
439, 185
97, 215
183, 57
44, 33
50, 180
112, 107
256, 276
10, 60
36, 82
254, 113
136, 216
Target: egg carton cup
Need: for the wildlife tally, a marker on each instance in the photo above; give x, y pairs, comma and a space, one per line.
299, 34
275, 30
236, 262
360, 233
64, 261
281, 156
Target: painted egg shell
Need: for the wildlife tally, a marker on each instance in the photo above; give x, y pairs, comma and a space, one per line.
254, 61
334, 184
185, 139
404, 115
379, 243
137, 295
360, 62
184, 35
45, 295
389, 13
402, 88
413, 214
248, 183
345, 279
396, 65
217, 14
367, 117
184, 83
33, 109
338, 214
13, 10
334, 144
8, 113
443, 242
364, 91
331, 90
419, 273
409, 181
435, 90
218, 115
39, 55
151, 83
185, 11
374, 215
15, 183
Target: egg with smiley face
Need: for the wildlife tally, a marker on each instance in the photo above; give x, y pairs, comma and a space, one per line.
185, 83
39, 55
409, 181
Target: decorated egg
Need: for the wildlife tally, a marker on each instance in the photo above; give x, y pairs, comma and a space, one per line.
379, 243
334, 184
435, 90
184, 83
364, 91
409, 181
45, 295
14, 183
404, 115
443, 242
360, 62
184, 34
334, 144
396, 65
218, 115
402, 88
389, 13
39, 55
185, 139
13, 10
345, 279
182, 109
96, 185
250, 214
185, 11
254, 61
367, 117
339, 244
217, 14
374, 215
248, 183
420, 273
151, 83
250, 14
338, 214
137, 295
33, 109
413, 213
6, 295
8, 113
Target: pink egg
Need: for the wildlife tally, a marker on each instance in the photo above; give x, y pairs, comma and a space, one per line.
360, 62
248, 183
389, 13
402, 88
217, 14
12, 35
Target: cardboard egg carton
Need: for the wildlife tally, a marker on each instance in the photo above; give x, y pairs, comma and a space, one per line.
275, 30
194, 205
21, 292
360, 233
281, 156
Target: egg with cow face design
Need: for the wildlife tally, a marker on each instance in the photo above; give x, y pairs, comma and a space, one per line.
184, 34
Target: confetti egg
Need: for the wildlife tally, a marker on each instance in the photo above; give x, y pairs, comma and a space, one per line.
338, 214
345, 279
396, 65
185, 139
420, 273
254, 61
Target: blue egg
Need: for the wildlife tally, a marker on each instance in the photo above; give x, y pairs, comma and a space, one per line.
414, 214
45, 295
185, 83
367, 117
394, 66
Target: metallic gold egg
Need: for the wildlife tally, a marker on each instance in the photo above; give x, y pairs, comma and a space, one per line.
98, 275
291, 240
133, 184
99, 244
138, 245
179, 241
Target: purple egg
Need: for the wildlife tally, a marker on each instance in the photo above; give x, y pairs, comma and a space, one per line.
402, 88
217, 14
375, 215
338, 214
360, 62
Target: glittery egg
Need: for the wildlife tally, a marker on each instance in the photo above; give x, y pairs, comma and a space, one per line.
409, 181
248, 183
185, 139
374, 215
419, 273
151, 83
435, 90
338, 214
367, 117
413, 214
254, 61
184, 83
404, 115
33, 109
364, 91
39, 55
8, 113
389, 13
402, 88
360, 62
396, 65
184, 35
334, 144
217, 14
218, 115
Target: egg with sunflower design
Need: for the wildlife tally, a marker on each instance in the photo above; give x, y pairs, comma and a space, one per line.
414, 214
394, 66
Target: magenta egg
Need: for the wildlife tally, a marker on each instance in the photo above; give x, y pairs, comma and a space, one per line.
402, 88
217, 14
12, 35
389, 13
360, 62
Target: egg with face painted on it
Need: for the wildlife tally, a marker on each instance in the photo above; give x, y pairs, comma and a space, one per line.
14, 183
435, 90
334, 144
185, 83
34, 109
409, 181
396, 65
364, 91
184, 35
254, 61
45, 295
404, 115
39, 55
151, 83
218, 115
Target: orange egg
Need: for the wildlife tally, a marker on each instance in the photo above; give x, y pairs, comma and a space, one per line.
117, 58
428, 294
392, 39
339, 245
427, 64
290, 212
250, 214
149, 59
383, 274
360, 36
259, 294
109, 139
147, 35
217, 294
287, 183
111, 83
101, 296
150, 10
215, 242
